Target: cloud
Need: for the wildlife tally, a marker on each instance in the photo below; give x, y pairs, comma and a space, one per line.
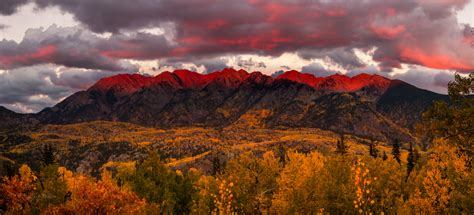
277, 73
420, 32
75, 47
367, 70
248, 64
30, 89
433, 80
8, 7
344, 57
3, 26
212, 65
317, 70
209, 64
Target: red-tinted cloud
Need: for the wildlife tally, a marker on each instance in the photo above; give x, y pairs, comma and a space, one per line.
43, 54
423, 32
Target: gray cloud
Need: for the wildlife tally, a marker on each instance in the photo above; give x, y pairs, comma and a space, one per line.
344, 57
250, 63
277, 73
441, 79
427, 79
29, 89
367, 70
210, 64
3, 26
317, 70
8, 7
75, 47
213, 64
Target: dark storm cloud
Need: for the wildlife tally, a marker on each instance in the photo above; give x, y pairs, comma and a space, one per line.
36, 87
74, 47
420, 32
8, 7
317, 70
31, 87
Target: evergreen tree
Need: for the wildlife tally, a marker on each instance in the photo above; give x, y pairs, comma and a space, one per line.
384, 156
341, 146
396, 150
216, 164
454, 121
48, 155
170, 192
281, 153
51, 187
411, 160
8, 169
373, 151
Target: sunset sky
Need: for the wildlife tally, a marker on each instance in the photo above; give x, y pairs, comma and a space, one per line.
50, 49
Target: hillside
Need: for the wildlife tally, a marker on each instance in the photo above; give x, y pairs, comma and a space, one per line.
88, 147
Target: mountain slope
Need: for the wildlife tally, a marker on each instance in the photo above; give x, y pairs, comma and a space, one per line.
11, 121
404, 103
365, 105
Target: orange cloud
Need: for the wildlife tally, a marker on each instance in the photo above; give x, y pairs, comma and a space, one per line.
434, 60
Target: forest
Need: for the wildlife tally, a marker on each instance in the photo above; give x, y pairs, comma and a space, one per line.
431, 175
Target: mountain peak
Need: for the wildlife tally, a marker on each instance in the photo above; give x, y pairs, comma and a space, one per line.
337, 82
302, 78
124, 84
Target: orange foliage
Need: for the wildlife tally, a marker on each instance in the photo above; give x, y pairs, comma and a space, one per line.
17, 191
101, 197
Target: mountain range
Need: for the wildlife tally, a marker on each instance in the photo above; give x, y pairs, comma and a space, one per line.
364, 105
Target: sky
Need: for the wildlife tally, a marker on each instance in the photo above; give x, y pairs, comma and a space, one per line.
50, 49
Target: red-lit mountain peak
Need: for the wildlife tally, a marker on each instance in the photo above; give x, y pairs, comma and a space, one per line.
259, 78
191, 80
167, 78
337, 82
122, 83
303, 78
365, 80
228, 77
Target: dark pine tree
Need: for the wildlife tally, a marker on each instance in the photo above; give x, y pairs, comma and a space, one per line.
411, 160
282, 153
341, 146
216, 164
373, 151
48, 155
384, 156
396, 150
